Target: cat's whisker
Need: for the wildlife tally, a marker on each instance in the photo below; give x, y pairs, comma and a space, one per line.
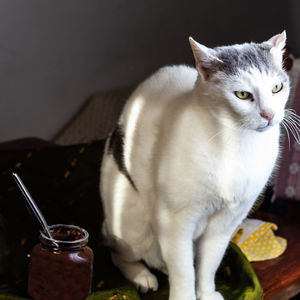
293, 129
292, 115
292, 112
214, 136
287, 133
295, 121
293, 126
287, 129
293, 118
241, 127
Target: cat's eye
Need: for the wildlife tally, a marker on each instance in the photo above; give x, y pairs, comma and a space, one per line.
243, 95
277, 88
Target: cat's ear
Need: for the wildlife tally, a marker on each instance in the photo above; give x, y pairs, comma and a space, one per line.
277, 43
205, 60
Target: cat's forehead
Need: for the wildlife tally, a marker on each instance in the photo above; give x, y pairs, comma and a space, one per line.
253, 79
245, 57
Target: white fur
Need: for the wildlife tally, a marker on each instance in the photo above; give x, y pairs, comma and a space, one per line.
199, 158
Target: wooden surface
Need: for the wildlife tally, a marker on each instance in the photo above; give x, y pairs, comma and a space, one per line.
280, 277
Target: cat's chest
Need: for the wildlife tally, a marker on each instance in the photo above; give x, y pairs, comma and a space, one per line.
241, 170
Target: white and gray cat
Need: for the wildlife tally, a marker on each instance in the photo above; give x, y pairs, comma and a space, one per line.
192, 151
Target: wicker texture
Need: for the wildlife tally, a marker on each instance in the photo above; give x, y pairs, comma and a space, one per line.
96, 119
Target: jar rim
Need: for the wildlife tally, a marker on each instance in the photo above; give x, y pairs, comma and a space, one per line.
85, 237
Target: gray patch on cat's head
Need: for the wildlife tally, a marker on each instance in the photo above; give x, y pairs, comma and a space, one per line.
244, 57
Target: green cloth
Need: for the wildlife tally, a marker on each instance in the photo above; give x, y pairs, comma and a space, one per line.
64, 181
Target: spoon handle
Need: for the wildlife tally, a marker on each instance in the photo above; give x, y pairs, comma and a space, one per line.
32, 205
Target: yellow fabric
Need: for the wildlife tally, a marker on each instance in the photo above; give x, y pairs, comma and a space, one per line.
257, 240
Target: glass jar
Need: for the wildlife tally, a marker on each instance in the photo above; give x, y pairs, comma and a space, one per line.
61, 269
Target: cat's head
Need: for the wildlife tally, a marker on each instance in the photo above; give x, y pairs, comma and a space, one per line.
245, 82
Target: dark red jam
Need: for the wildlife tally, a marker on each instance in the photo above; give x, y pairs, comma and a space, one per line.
61, 269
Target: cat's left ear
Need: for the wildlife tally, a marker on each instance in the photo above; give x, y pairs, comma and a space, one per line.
206, 62
278, 43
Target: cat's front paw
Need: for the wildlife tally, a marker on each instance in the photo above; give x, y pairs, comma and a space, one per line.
146, 282
211, 296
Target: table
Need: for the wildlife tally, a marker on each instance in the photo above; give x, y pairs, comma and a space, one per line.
280, 277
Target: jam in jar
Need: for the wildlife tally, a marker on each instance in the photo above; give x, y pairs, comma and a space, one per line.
61, 268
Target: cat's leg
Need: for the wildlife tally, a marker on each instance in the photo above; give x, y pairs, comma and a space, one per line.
127, 257
211, 248
126, 227
175, 235
128, 250
129, 245
137, 273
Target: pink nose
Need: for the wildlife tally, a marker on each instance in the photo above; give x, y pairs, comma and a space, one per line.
267, 115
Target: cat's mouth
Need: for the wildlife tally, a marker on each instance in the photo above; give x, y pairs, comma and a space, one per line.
264, 127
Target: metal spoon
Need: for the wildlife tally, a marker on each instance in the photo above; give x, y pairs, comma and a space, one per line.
33, 207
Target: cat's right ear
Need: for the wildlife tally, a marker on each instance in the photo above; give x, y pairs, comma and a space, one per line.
205, 61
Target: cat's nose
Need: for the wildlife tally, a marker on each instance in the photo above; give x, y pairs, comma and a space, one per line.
267, 115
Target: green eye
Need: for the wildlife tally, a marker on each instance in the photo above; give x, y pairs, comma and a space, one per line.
277, 88
243, 95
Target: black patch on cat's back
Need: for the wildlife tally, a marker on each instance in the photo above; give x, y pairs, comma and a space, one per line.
116, 149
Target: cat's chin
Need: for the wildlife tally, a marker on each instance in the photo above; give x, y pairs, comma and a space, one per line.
265, 127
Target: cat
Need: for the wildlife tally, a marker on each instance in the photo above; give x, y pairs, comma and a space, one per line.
190, 154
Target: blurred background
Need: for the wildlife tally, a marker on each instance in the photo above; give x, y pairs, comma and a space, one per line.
55, 54
59, 57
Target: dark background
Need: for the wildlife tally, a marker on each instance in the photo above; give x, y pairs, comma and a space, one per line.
54, 54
